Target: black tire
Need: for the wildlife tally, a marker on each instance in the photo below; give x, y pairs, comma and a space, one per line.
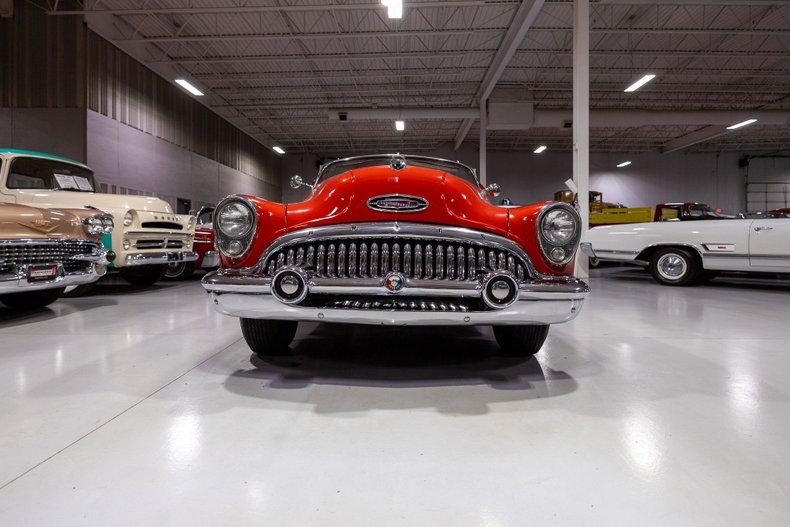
143, 275
32, 299
268, 337
675, 266
179, 271
594, 263
520, 341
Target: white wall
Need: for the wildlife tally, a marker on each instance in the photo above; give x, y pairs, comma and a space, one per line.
134, 161
651, 178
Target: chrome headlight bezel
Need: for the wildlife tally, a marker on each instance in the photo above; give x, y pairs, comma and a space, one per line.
558, 252
128, 218
98, 224
235, 244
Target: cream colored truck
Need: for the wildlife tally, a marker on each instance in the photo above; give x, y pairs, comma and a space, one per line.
147, 234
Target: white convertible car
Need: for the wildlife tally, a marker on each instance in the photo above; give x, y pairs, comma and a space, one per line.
688, 252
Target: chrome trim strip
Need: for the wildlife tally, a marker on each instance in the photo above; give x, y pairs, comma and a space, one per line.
394, 229
323, 168
519, 313
160, 257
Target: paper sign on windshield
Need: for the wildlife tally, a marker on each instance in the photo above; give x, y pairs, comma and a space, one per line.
66, 181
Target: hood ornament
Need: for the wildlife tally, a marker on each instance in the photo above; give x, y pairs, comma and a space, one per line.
398, 162
397, 203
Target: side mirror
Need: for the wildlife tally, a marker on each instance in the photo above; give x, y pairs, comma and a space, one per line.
493, 190
298, 182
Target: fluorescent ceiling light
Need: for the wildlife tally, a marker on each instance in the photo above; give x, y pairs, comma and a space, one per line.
188, 87
747, 122
278, 149
400, 126
624, 164
394, 8
641, 82
540, 149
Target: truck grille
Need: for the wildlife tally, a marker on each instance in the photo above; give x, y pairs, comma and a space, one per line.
162, 225
50, 252
159, 244
415, 258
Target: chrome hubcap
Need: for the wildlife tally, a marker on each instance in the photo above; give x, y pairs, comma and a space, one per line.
672, 266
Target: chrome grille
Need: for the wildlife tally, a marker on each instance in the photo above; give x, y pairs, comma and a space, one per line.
394, 304
159, 244
414, 257
55, 251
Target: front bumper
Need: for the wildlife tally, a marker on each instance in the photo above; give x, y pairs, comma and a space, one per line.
17, 282
538, 302
164, 257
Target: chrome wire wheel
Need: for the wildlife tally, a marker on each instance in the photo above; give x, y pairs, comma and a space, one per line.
672, 266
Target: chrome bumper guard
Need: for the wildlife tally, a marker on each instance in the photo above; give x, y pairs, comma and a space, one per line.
538, 302
164, 257
17, 282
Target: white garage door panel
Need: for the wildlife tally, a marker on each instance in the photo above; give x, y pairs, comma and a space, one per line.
767, 196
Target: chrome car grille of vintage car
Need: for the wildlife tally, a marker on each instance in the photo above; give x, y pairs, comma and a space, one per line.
14, 254
415, 258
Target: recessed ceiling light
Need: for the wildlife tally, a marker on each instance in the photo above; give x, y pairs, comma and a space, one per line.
394, 8
278, 149
641, 82
747, 122
188, 87
624, 164
400, 125
540, 149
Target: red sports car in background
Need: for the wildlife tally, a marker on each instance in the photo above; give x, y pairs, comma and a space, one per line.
396, 240
208, 258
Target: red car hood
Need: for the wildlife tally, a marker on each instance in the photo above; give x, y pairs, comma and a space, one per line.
344, 199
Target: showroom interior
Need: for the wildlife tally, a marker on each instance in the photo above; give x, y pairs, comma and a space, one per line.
403, 202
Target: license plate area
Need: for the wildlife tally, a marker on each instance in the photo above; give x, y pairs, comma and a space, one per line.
42, 273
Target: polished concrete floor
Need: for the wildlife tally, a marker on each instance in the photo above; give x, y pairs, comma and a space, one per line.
657, 406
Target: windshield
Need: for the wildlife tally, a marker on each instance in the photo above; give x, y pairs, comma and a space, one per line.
49, 174
455, 168
699, 210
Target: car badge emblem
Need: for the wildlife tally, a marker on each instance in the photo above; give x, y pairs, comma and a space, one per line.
397, 203
394, 282
41, 225
398, 162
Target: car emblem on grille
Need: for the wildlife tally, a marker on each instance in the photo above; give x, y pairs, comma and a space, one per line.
397, 203
394, 282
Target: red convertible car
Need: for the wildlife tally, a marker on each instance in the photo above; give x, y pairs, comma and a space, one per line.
396, 240
207, 257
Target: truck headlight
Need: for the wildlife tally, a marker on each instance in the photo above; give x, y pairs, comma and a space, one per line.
128, 218
559, 230
234, 223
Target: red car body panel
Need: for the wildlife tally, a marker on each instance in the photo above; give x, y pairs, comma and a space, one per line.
452, 201
204, 242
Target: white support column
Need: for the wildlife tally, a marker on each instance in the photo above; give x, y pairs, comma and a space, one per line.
581, 117
483, 130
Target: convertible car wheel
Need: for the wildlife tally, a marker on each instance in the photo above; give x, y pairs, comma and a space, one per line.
673, 266
520, 341
143, 275
31, 299
268, 337
179, 270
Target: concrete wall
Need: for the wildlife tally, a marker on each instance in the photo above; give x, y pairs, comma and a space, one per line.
651, 178
56, 130
128, 160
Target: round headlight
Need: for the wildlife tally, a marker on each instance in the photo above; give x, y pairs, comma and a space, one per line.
94, 225
191, 224
559, 226
107, 224
128, 218
234, 219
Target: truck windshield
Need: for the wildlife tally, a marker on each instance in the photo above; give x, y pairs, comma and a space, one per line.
49, 174
334, 168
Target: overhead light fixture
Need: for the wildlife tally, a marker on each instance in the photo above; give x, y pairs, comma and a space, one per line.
747, 122
278, 149
394, 8
540, 149
641, 82
188, 87
624, 164
400, 125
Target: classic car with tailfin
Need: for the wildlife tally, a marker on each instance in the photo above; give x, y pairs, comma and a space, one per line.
396, 240
43, 251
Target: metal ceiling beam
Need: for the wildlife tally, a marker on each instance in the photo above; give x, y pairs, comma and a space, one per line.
288, 37
523, 19
703, 134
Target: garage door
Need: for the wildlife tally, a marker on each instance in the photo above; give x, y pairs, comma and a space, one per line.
767, 196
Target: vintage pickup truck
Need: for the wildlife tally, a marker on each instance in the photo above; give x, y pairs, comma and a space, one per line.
147, 234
